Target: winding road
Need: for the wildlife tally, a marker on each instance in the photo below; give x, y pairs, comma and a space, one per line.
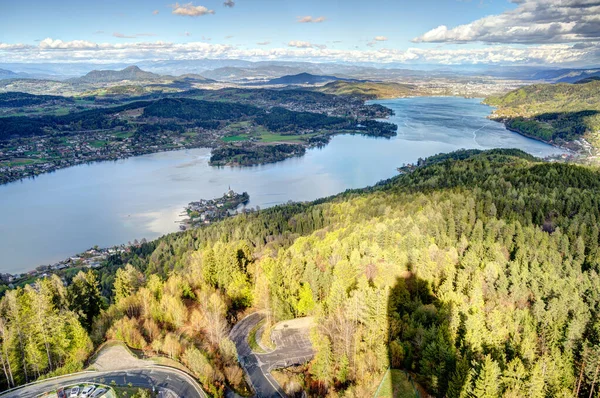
159, 378
293, 348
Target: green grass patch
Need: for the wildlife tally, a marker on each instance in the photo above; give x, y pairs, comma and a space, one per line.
235, 138
252, 338
98, 143
61, 111
273, 137
396, 385
124, 134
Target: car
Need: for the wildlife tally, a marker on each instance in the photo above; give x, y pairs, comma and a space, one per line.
74, 392
60, 393
87, 391
99, 392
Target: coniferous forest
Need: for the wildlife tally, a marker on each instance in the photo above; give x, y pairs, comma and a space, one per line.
478, 273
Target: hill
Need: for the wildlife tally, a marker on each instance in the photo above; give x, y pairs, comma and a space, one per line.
564, 75
477, 269
370, 90
132, 73
587, 80
306, 78
193, 77
556, 113
8, 74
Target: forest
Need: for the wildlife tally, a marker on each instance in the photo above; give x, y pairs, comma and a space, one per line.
476, 272
249, 155
557, 113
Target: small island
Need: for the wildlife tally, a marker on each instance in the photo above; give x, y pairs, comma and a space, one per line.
205, 211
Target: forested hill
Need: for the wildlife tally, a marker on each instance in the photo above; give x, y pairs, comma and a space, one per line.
477, 272
558, 113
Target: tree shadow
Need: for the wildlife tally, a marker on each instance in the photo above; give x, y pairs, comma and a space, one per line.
423, 345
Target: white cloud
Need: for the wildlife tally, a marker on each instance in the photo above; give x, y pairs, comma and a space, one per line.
309, 19
133, 36
376, 39
50, 44
155, 12
84, 51
263, 43
299, 44
190, 10
532, 22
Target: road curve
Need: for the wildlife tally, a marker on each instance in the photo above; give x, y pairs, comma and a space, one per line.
178, 382
290, 350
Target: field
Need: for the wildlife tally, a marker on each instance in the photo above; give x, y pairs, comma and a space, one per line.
396, 385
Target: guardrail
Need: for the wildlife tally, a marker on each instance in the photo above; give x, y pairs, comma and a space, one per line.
44, 380
188, 377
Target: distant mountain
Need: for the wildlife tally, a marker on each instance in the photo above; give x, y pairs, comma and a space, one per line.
307, 78
259, 72
587, 80
193, 77
9, 74
131, 73
565, 75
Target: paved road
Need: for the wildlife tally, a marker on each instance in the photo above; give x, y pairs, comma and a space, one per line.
292, 349
182, 386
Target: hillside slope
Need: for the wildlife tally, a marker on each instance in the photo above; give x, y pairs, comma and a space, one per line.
476, 272
131, 73
556, 113
369, 90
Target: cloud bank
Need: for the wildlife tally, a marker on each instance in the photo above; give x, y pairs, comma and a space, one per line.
49, 50
532, 22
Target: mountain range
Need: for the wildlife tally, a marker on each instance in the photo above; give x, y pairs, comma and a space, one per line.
307, 78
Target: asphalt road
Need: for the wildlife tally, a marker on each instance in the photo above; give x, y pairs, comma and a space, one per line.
181, 385
291, 350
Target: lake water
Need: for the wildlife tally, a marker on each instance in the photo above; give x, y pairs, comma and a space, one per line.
57, 215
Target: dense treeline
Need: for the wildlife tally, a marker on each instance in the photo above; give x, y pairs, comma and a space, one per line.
254, 154
190, 109
17, 99
280, 119
21, 126
478, 272
42, 328
376, 128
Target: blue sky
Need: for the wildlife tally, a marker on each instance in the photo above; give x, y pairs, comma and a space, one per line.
249, 21
423, 31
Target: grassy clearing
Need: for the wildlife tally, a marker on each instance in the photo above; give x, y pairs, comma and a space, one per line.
98, 144
396, 385
19, 162
235, 138
124, 134
273, 137
252, 338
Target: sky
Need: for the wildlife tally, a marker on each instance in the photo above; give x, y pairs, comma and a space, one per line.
447, 32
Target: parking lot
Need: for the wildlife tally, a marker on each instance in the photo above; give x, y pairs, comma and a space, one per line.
85, 390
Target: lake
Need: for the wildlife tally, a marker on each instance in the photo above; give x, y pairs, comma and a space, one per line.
54, 216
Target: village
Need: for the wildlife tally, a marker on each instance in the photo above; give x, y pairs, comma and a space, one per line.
91, 258
205, 211
198, 213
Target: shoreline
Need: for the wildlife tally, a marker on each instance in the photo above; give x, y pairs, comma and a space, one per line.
237, 167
